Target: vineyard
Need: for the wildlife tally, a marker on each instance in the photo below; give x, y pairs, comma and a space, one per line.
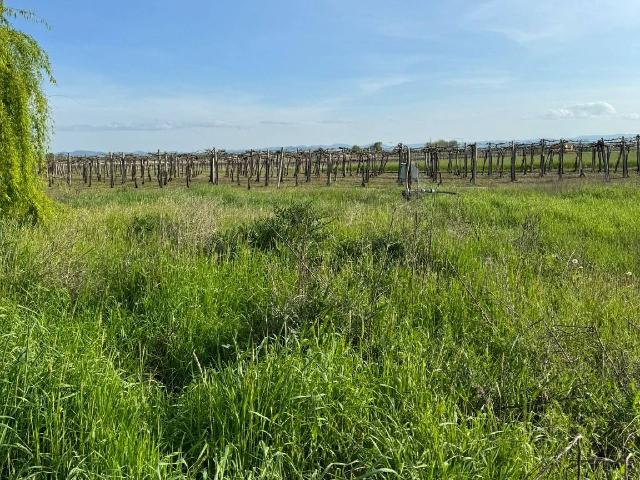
472, 163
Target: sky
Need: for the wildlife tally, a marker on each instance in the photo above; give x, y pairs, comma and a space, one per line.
196, 74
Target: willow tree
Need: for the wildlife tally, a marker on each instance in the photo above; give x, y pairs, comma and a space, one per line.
24, 119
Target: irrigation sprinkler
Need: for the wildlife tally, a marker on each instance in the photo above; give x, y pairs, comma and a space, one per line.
418, 192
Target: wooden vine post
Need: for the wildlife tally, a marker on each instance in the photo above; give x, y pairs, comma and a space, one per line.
280, 167
211, 174
408, 170
513, 161
111, 171
490, 158
579, 160
606, 156
68, 169
122, 169
561, 160
400, 152
474, 163
625, 159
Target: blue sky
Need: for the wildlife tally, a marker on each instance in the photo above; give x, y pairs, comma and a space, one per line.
142, 75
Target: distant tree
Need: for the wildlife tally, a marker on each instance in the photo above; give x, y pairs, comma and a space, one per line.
24, 119
445, 143
356, 149
377, 147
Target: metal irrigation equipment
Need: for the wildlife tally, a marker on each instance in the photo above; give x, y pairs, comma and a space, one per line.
419, 192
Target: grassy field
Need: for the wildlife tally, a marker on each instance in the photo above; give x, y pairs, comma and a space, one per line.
323, 332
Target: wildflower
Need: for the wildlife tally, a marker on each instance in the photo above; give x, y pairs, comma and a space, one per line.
629, 274
574, 261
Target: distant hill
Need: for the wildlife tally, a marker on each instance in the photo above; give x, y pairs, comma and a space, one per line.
94, 153
82, 153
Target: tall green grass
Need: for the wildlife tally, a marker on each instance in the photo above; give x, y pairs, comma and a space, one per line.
322, 333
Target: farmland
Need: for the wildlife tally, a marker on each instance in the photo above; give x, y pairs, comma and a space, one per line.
323, 331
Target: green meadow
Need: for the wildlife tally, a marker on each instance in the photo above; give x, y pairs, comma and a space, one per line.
323, 332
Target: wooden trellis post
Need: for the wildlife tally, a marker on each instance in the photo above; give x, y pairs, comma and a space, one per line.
68, 169
579, 160
513, 161
561, 160
111, 170
400, 155
280, 167
247, 162
434, 163
134, 173
466, 161
625, 159
490, 159
211, 175
606, 156
426, 161
408, 170
165, 170
267, 164
600, 154
474, 163
123, 174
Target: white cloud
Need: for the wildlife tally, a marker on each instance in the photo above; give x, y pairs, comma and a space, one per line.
154, 126
530, 22
375, 85
480, 81
631, 116
583, 110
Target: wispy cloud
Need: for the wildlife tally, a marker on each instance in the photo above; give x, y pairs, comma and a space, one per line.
527, 22
480, 81
143, 127
282, 123
375, 85
583, 110
334, 122
631, 116
98, 114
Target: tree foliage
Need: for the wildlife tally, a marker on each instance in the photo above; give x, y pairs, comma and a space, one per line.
24, 119
377, 147
444, 143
